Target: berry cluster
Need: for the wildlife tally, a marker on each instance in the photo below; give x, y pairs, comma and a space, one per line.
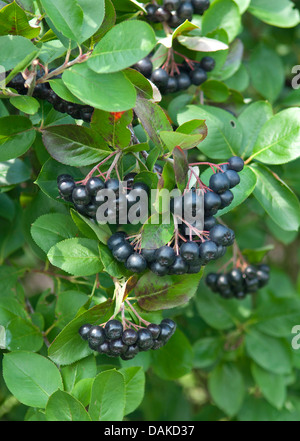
85, 200
175, 12
179, 77
189, 254
43, 91
237, 282
114, 340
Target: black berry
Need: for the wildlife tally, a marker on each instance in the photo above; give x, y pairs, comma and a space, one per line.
136, 263
208, 64
235, 163
113, 329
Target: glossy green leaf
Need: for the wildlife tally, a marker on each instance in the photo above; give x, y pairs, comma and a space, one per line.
75, 145
77, 256
89, 87
108, 398
278, 142
62, 406
280, 13
277, 199
52, 228
14, 21
155, 292
120, 47
30, 377
21, 334
16, 136
134, 387
222, 14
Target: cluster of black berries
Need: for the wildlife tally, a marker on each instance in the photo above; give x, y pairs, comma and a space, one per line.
87, 197
238, 283
114, 341
193, 254
175, 12
43, 91
186, 74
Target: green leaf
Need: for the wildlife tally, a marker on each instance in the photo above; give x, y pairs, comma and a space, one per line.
182, 140
16, 136
278, 317
252, 120
67, 16
181, 168
83, 390
156, 235
14, 21
279, 139
52, 228
63, 92
90, 229
280, 13
62, 406
108, 398
202, 44
222, 14
75, 19
207, 351
175, 359
77, 256
256, 255
30, 377
225, 134
216, 312
113, 127
80, 370
272, 354
21, 334
277, 199
268, 82
215, 91
68, 346
156, 123
13, 172
75, 145
10, 309
233, 61
134, 387
14, 50
111, 92
26, 104
226, 386
67, 306
271, 385
120, 47
155, 292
